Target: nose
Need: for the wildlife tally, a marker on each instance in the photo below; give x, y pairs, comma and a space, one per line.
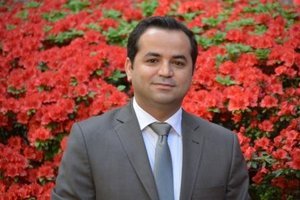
165, 69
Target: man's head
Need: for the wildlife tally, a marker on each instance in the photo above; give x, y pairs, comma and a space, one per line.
167, 23
160, 65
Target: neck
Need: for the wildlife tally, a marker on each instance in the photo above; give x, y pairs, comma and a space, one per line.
158, 111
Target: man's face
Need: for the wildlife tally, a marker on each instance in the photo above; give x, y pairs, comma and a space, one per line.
162, 70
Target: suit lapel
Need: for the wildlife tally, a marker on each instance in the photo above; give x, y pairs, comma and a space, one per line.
192, 152
132, 140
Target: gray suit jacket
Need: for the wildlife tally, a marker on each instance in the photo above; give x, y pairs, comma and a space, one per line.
106, 159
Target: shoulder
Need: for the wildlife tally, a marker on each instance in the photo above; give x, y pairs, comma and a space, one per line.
209, 129
98, 126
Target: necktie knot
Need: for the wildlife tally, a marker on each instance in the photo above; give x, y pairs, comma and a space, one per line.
160, 128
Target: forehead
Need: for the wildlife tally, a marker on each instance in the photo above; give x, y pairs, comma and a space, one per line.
164, 41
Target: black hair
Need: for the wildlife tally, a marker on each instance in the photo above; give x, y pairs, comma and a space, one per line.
164, 22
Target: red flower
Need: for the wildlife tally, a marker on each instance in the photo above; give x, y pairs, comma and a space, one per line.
263, 143
33, 154
236, 35
266, 125
39, 133
280, 182
238, 103
132, 14
259, 176
108, 23
280, 154
264, 41
269, 102
15, 143
46, 171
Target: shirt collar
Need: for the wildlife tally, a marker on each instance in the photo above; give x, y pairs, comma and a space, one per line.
144, 118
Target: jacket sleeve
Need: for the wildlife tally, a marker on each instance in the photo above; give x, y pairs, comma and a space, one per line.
238, 182
74, 180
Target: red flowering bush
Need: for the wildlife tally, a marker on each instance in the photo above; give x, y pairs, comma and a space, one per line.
62, 61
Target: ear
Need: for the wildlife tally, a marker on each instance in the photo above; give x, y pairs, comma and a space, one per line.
128, 69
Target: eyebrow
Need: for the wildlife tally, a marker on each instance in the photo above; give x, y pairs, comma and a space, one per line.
158, 55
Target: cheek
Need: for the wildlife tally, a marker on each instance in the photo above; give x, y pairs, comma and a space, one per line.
185, 79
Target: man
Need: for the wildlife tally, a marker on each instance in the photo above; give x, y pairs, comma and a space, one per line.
115, 156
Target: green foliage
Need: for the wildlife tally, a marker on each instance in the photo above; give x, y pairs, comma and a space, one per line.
260, 29
225, 80
65, 37
234, 50
32, 4
73, 81
50, 147
118, 79
94, 27
22, 14
114, 14
148, 7
77, 5
262, 54
47, 28
54, 15
264, 192
190, 16
273, 9
116, 76
42, 66
15, 92
120, 34
206, 42
10, 27
262, 8
239, 23
220, 59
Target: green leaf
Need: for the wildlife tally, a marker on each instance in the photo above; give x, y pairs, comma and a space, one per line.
214, 110
77, 5
42, 66
262, 54
99, 72
239, 23
220, 59
114, 14
236, 49
212, 22
197, 30
190, 15
14, 91
50, 146
10, 27
54, 15
225, 80
73, 81
206, 42
47, 28
32, 4
94, 26
260, 29
65, 37
120, 34
121, 87
117, 74
22, 14
148, 7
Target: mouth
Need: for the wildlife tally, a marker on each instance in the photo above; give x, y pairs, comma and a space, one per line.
164, 86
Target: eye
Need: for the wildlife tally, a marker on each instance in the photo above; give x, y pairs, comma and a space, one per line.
152, 60
179, 63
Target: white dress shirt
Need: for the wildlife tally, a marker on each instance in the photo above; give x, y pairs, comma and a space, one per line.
174, 141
